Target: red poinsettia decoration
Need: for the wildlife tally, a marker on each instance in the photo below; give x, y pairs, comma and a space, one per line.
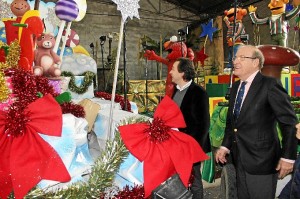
118, 98
163, 150
26, 158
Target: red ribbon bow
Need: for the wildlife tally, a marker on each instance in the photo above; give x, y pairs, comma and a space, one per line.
26, 159
164, 151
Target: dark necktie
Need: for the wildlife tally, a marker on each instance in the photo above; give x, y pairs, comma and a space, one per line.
238, 101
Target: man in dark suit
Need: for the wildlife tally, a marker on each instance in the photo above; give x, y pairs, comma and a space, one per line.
194, 105
250, 133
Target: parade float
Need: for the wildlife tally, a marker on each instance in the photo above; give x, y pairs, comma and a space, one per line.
90, 156
49, 112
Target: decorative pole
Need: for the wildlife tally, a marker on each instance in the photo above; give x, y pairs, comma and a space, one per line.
128, 8
36, 4
66, 11
227, 96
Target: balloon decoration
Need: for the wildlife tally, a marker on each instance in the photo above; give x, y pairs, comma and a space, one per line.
66, 11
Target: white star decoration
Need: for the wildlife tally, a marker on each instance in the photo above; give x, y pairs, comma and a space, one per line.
128, 8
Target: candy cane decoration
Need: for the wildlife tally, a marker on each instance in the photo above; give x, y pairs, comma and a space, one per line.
66, 11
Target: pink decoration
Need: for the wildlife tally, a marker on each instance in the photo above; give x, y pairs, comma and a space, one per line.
56, 85
72, 39
10, 100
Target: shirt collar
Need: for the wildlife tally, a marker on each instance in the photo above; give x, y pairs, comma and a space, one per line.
250, 79
185, 86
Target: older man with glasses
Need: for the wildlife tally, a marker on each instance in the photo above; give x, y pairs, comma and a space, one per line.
257, 103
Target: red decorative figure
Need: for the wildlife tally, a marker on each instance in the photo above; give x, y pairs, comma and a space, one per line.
178, 49
27, 26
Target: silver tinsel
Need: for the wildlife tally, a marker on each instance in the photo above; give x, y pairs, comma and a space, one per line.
5, 11
128, 8
111, 192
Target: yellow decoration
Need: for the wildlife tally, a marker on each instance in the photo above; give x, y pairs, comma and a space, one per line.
28, 14
4, 91
11, 61
156, 86
211, 79
143, 104
137, 93
137, 86
213, 101
80, 49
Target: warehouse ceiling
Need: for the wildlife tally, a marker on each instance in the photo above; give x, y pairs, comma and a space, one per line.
207, 9
193, 12
199, 10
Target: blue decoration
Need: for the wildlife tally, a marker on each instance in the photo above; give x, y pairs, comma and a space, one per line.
68, 51
289, 7
208, 29
2, 35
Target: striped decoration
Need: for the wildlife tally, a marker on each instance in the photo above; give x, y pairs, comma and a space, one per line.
66, 10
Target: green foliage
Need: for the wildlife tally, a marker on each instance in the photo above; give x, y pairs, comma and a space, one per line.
102, 174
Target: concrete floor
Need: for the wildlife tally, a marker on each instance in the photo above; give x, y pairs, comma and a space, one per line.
212, 190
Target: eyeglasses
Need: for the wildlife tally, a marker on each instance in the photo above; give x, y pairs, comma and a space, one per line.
242, 58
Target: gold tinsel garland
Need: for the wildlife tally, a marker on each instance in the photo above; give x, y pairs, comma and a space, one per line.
12, 53
102, 174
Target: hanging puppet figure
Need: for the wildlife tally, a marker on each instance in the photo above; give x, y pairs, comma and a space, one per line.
177, 49
25, 27
235, 37
278, 21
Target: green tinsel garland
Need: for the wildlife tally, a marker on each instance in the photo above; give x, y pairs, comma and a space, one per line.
87, 81
102, 174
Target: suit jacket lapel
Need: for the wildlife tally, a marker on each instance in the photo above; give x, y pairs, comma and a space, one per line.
186, 98
256, 84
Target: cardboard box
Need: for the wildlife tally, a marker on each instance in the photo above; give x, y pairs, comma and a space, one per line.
225, 79
211, 79
295, 84
91, 111
286, 82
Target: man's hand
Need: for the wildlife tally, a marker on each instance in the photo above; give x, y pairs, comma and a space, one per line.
252, 8
221, 155
284, 168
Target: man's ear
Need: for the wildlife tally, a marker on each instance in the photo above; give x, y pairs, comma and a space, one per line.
182, 75
256, 62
